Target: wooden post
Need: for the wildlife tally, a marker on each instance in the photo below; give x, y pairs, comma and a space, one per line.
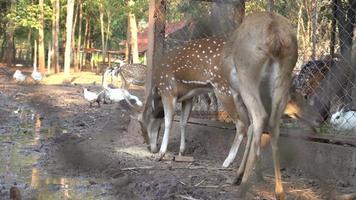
156, 34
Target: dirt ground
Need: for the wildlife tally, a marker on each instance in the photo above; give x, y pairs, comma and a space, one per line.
54, 146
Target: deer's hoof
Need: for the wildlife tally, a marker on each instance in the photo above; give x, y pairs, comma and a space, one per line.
159, 156
226, 163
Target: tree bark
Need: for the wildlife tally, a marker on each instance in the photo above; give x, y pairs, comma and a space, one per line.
270, 5
102, 28
69, 27
156, 35
41, 48
9, 39
77, 54
133, 33
55, 31
313, 28
333, 28
73, 44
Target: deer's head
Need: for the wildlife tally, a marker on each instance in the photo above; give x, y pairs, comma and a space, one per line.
150, 119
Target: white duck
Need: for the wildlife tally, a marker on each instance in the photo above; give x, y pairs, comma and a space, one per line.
91, 97
19, 76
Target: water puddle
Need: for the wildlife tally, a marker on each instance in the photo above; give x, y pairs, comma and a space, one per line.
19, 165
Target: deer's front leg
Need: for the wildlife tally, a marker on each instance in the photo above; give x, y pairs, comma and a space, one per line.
169, 103
186, 110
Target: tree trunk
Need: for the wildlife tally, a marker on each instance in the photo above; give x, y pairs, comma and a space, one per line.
345, 16
77, 54
69, 27
49, 56
156, 34
55, 31
132, 26
86, 42
313, 28
333, 28
270, 5
41, 48
9, 39
101, 9
73, 44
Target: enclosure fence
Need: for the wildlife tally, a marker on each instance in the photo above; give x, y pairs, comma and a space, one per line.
325, 71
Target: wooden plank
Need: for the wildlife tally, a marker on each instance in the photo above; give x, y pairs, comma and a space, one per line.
183, 159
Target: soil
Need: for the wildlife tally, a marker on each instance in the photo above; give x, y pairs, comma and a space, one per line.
54, 146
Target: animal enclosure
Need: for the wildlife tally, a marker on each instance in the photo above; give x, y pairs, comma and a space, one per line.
325, 71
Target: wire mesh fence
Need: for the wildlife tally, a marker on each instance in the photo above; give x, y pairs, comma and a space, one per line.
325, 70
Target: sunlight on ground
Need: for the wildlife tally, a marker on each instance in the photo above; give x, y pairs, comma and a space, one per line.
75, 78
136, 151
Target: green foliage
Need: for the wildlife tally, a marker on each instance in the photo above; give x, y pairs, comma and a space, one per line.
24, 14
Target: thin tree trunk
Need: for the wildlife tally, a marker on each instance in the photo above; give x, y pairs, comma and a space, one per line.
73, 44
270, 5
55, 32
41, 48
107, 34
314, 29
77, 54
69, 27
133, 34
49, 56
85, 45
333, 28
9, 39
101, 9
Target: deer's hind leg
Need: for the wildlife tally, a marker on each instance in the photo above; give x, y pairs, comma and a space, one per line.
187, 106
234, 109
279, 93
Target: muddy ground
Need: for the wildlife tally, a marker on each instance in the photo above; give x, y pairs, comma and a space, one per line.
54, 146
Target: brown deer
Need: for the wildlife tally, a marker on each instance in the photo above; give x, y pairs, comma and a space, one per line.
191, 70
184, 73
264, 52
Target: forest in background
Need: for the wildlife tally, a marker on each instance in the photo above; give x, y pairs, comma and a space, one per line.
59, 30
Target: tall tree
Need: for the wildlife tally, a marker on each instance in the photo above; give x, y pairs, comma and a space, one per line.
77, 54
69, 27
102, 28
55, 37
9, 37
132, 33
41, 48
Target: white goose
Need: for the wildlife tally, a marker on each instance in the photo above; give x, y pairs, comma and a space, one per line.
37, 76
19, 76
119, 94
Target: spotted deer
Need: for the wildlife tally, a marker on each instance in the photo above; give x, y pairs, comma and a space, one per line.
189, 71
131, 74
183, 74
264, 51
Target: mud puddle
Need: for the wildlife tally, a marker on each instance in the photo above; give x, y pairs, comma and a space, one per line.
22, 146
